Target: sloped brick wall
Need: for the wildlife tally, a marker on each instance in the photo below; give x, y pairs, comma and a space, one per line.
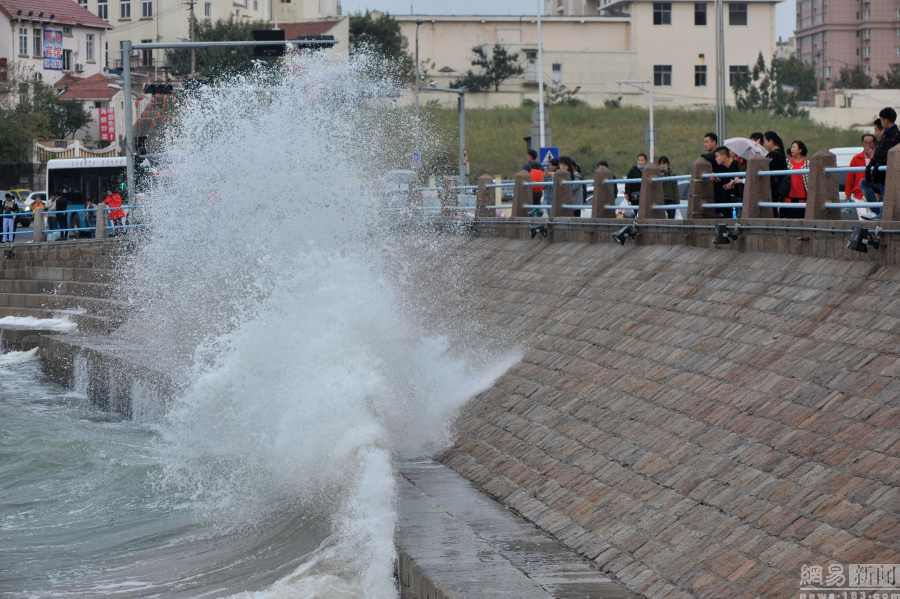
701, 423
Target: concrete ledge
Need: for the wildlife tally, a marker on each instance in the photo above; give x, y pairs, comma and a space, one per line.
455, 542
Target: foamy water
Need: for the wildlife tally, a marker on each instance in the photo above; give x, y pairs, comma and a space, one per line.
306, 333
61, 324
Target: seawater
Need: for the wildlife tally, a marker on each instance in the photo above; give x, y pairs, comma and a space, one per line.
308, 339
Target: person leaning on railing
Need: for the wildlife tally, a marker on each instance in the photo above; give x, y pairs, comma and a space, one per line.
875, 179
8, 210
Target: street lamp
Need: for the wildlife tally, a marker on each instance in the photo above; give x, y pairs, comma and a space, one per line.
418, 22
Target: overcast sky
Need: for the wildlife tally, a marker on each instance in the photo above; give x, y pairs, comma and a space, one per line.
784, 12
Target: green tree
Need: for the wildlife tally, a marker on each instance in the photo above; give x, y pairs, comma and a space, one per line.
211, 62
891, 79
852, 78
495, 69
762, 90
801, 75
64, 117
383, 37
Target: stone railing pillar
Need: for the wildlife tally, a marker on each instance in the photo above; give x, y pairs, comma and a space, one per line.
756, 189
449, 198
604, 193
521, 194
823, 187
701, 191
102, 222
483, 197
38, 225
891, 209
651, 192
562, 194
414, 198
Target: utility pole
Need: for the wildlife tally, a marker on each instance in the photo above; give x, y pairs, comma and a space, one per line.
191, 34
540, 75
720, 70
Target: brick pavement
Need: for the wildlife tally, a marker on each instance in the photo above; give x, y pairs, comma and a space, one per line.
700, 423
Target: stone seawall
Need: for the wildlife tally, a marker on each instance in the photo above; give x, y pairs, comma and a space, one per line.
698, 422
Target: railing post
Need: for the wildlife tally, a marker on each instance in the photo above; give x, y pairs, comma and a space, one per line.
891, 209
823, 187
562, 194
414, 199
483, 197
701, 191
102, 222
449, 197
521, 194
651, 192
604, 194
37, 234
756, 189
498, 191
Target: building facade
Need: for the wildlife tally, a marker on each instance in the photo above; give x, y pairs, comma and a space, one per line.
671, 44
835, 34
46, 39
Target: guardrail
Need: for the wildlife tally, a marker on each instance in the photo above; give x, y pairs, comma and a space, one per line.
103, 228
756, 202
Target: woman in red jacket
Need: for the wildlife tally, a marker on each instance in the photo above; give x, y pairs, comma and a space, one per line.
116, 214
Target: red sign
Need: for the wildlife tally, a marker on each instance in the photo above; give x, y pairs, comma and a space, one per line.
107, 124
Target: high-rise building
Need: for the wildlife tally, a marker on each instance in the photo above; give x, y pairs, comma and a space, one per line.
834, 34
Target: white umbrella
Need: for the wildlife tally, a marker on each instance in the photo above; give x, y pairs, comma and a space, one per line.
745, 148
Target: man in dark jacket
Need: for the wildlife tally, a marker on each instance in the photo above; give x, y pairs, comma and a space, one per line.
8, 211
62, 219
875, 179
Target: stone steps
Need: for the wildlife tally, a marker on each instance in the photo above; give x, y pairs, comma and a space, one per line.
87, 322
76, 288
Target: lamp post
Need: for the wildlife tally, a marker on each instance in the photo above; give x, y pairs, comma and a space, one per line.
418, 22
720, 69
540, 74
637, 85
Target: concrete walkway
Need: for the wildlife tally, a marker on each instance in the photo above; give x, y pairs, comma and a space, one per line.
456, 542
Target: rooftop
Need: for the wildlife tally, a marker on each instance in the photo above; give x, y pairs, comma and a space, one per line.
62, 12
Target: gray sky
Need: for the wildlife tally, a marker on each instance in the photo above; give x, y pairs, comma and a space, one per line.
784, 12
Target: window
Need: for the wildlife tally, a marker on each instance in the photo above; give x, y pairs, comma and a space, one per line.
102, 9
146, 9
699, 13
89, 48
828, 71
867, 34
146, 55
82, 3
700, 75
23, 91
38, 44
67, 60
125, 10
556, 73
737, 13
285, 1
897, 32
866, 14
207, 10
867, 51
662, 75
735, 71
867, 69
23, 41
255, 4
897, 50
662, 13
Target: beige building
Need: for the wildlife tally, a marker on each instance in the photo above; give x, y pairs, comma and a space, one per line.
669, 43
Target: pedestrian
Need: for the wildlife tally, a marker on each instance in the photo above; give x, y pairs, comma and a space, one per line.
875, 178
90, 217
710, 143
851, 188
878, 130
726, 188
757, 137
633, 190
532, 161
8, 210
62, 219
537, 191
548, 177
799, 183
577, 190
669, 188
780, 185
50, 219
113, 201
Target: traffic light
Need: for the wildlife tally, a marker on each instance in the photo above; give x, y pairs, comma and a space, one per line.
321, 42
268, 35
159, 88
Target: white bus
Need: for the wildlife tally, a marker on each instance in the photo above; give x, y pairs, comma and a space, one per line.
80, 179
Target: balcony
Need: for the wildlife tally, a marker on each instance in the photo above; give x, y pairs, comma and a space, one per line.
138, 63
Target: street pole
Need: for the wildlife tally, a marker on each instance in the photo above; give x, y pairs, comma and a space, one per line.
193, 50
462, 137
652, 136
416, 150
129, 132
720, 70
540, 75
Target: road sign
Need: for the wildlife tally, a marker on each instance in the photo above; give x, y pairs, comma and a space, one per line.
647, 135
416, 157
536, 116
546, 154
465, 156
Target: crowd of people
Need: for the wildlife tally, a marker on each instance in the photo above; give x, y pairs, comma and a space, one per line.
57, 216
728, 188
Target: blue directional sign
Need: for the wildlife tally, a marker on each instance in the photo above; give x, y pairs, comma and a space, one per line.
546, 154
416, 157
